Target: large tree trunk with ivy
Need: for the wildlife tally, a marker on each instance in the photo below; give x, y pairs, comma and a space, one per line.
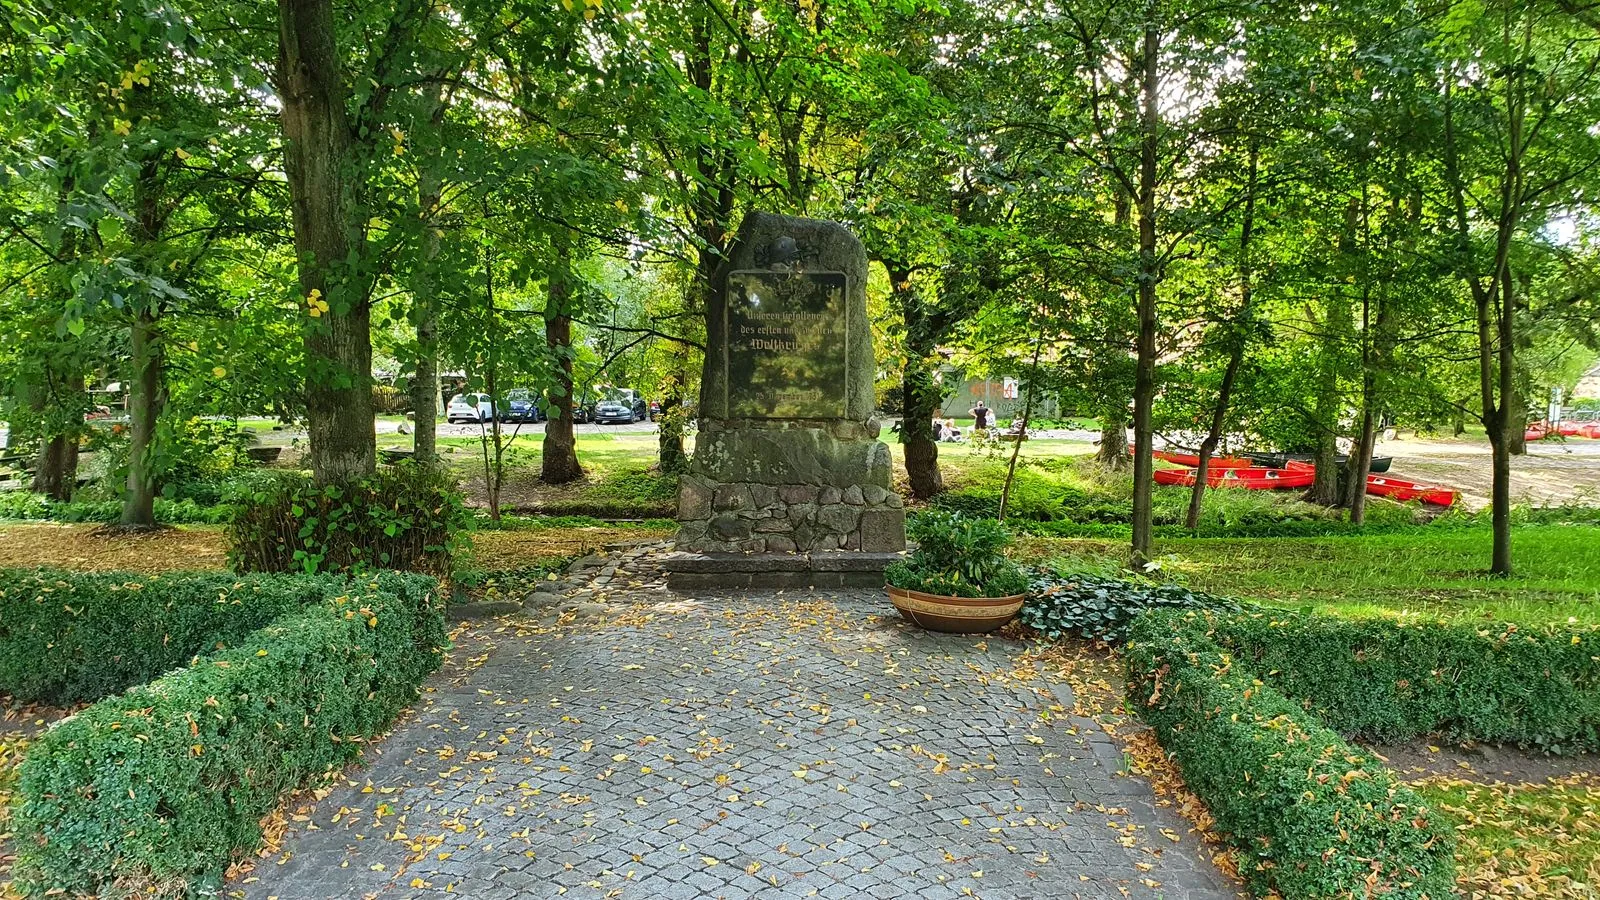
324, 178
560, 463
920, 392
670, 425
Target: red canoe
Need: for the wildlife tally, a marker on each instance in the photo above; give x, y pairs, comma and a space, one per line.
1255, 479
1193, 459
1536, 433
1396, 489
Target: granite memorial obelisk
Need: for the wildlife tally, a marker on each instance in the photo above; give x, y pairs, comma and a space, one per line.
789, 482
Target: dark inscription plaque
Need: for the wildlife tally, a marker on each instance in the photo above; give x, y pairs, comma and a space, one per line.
786, 345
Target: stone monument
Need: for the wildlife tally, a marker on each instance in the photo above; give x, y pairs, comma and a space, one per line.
789, 483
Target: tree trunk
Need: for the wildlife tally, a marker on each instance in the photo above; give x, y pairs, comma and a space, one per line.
425, 383
920, 393
323, 182
1022, 431
493, 467
1144, 380
1325, 488
1517, 423
670, 455
1113, 452
147, 396
146, 400
560, 463
1230, 375
425, 399
55, 475
1358, 465
1500, 503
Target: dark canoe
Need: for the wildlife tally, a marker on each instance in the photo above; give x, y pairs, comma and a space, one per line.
1279, 460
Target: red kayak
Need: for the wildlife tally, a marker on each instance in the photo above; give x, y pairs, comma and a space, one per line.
1255, 479
1193, 459
1536, 433
1396, 489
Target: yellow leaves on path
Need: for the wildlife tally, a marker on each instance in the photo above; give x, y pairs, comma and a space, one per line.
84, 548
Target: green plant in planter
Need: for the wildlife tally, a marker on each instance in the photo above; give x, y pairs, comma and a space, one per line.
958, 556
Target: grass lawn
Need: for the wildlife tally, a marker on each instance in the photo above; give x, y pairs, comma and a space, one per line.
1530, 840
1527, 840
1440, 572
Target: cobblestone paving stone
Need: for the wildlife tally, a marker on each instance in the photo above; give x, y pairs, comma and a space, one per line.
779, 745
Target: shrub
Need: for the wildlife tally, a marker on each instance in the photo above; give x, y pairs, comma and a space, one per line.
154, 791
36, 507
388, 400
1101, 606
1312, 816
958, 556
70, 637
406, 516
1395, 680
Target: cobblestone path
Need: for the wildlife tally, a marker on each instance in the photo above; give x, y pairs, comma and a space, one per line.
785, 745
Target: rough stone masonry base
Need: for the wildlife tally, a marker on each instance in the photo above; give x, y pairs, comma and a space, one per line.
737, 571
762, 518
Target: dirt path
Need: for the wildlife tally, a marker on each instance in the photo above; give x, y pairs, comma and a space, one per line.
1553, 473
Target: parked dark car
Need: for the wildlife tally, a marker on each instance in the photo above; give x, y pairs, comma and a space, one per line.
620, 406
614, 412
523, 406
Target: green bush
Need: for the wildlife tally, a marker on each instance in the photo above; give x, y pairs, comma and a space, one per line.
153, 792
69, 637
36, 507
388, 400
405, 516
1099, 606
1312, 816
1396, 680
633, 487
958, 556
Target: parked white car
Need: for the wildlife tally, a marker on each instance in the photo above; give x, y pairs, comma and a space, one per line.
469, 408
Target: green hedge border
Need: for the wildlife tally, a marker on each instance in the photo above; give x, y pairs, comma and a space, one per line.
1311, 815
1391, 680
153, 792
74, 637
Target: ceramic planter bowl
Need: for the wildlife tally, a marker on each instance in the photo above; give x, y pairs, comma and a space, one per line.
955, 615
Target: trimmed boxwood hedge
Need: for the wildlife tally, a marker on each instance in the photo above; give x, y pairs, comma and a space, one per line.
154, 791
70, 637
1312, 816
1393, 680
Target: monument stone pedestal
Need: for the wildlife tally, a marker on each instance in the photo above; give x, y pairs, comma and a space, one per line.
789, 484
